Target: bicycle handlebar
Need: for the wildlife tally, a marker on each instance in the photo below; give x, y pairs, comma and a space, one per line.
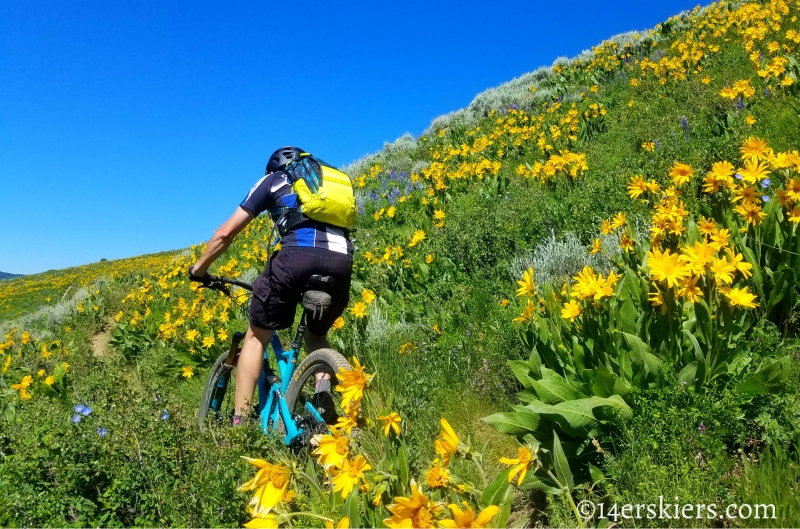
228, 281
219, 283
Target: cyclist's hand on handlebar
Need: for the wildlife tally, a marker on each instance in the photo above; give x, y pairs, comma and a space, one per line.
205, 279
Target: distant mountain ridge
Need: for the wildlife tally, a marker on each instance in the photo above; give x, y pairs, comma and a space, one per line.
6, 275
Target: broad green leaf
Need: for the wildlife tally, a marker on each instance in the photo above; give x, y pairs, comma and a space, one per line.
505, 508
596, 474
579, 415
513, 422
769, 378
521, 371
561, 465
493, 494
578, 355
692, 233
615, 402
687, 375
351, 510
553, 392
534, 482
698, 351
704, 324
758, 275
527, 395
628, 316
535, 363
625, 365
46, 389
311, 472
402, 462
641, 354
636, 346
604, 382
551, 304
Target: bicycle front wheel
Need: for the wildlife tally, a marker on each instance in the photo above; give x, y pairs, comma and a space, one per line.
216, 403
302, 389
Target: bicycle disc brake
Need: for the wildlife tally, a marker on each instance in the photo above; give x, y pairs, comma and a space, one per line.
311, 427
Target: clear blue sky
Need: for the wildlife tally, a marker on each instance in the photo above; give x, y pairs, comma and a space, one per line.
129, 127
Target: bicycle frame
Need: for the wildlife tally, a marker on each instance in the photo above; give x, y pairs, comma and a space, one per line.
271, 402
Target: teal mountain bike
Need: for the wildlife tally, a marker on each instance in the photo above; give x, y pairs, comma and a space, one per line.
287, 399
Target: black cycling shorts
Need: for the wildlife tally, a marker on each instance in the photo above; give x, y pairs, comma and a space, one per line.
278, 290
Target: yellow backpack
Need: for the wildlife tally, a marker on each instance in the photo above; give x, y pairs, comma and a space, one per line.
324, 192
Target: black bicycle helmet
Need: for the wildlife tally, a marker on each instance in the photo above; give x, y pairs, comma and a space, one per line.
281, 157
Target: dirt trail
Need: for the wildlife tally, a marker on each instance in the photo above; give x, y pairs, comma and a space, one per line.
101, 339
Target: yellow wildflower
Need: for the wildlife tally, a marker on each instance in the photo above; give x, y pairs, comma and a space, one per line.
391, 421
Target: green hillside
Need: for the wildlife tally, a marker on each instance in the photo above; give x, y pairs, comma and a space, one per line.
578, 293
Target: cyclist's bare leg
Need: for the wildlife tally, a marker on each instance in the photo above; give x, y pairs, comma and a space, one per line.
314, 342
248, 369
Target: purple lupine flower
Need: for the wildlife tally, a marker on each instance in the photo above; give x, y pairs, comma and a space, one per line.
767, 93
684, 124
702, 429
657, 144
765, 183
102, 432
739, 103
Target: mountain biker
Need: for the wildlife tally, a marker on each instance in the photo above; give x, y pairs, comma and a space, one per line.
307, 248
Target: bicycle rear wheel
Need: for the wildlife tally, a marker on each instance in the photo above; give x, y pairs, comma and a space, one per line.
216, 403
302, 390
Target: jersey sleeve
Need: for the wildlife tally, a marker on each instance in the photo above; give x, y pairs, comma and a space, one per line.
266, 194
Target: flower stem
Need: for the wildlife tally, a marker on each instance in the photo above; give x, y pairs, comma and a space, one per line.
566, 491
311, 514
479, 466
320, 492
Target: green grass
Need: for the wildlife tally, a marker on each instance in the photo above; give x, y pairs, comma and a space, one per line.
163, 473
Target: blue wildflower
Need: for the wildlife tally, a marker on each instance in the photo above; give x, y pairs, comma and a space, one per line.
738, 176
86, 411
739, 103
765, 183
78, 408
702, 429
684, 124
76, 418
765, 198
101, 432
165, 415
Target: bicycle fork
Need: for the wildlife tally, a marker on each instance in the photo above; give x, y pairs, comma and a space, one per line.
222, 383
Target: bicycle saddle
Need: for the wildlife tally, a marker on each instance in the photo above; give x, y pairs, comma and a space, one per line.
320, 282
315, 299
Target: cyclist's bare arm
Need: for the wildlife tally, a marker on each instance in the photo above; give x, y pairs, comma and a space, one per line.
221, 239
